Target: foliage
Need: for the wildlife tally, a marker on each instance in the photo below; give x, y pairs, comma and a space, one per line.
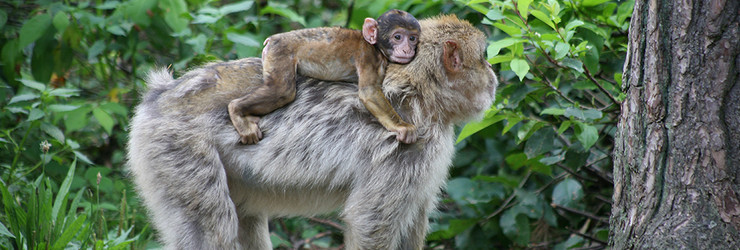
70, 72
537, 173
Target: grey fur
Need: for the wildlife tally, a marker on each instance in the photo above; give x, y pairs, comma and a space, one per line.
321, 153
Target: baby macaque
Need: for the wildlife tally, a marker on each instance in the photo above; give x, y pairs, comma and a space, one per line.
332, 54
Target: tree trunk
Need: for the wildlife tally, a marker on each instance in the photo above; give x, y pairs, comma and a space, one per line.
677, 149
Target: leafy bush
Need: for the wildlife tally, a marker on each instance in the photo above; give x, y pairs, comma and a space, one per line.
538, 171
535, 172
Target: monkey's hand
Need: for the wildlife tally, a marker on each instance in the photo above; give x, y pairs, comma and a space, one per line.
406, 133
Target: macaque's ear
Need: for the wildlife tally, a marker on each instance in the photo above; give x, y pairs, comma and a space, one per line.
370, 30
451, 57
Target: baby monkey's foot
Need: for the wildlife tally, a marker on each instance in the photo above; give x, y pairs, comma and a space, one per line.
406, 133
248, 130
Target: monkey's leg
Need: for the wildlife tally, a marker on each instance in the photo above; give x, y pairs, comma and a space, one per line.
370, 80
254, 232
381, 216
277, 90
185, 190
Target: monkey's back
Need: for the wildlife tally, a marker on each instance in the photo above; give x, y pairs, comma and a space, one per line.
327, 53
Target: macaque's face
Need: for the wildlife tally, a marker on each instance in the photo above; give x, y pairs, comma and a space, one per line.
402, 43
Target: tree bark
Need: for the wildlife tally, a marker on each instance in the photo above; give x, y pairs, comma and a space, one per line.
677, 148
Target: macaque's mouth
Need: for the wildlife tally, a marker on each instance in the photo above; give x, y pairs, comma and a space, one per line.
401, 59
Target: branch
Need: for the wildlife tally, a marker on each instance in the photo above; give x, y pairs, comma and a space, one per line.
586, 214
591, 238
509, 199
327, 222
591, 77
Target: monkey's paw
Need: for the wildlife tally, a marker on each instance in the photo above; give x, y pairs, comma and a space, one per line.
406, 134
248, 130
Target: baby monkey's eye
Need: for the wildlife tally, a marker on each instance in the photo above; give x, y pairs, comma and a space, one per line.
397, 37
412, 38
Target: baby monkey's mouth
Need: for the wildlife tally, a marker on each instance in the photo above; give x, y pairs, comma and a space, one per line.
401, 59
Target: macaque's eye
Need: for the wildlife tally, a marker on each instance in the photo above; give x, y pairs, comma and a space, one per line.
412, 38
397, 37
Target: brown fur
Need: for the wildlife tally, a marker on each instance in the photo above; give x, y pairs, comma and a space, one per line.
332, 54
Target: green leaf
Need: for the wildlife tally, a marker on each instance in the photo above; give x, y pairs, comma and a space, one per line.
70, 232
61, 21
510, 122
62, 196
543, 17
511, 30
173, 14
552, 111
561, 50
460, 189
573, 64
591, 3
198, 42
23, 97
95, 50
53, 131
473, 127
35, 114
541, 142
83, 157
586, 134
236, 7
520, 67
116, 30
105, 120
33, 29
583, 114
4, 231
567, 193
494, 48
64, 92
3, 19
551, 160
515, 226
495, 14
500, 59
33, 84
243, 39
62, 107
77, 119
523, 7
563, 126
114, 108
284, 12
573, 24
108, 5
516, 161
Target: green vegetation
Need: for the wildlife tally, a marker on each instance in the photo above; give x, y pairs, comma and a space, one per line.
535, 172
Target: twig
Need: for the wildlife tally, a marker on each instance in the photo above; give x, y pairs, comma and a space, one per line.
327, 222
300, 243
587, 214
591, 77
591, 238
510, 198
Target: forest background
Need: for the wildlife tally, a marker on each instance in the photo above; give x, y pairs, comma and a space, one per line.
536, 172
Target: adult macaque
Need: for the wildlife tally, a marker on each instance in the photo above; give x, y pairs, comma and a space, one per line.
205, 190
332, 54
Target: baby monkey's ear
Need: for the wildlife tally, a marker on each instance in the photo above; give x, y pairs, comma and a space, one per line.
370, 30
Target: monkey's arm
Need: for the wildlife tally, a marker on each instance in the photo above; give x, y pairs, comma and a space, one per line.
371, 72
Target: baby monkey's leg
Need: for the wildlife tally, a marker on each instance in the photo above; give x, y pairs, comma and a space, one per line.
278, 89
